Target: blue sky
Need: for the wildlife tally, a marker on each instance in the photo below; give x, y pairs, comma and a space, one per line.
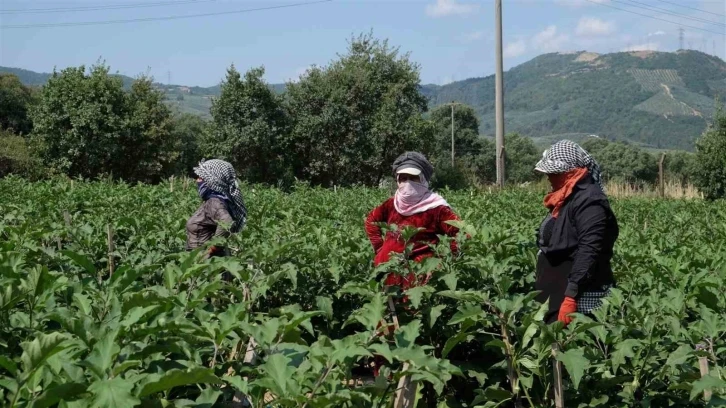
450, 39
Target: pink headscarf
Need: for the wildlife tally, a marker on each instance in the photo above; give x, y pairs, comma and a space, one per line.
415, 197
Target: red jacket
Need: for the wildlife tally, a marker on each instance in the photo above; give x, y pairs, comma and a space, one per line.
433, 221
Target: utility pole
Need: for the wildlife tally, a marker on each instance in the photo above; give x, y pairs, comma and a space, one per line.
680, 36
499, 94
452, 134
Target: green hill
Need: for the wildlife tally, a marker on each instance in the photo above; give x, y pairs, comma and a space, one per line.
655, 99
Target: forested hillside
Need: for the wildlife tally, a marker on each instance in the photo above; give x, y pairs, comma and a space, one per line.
657, 99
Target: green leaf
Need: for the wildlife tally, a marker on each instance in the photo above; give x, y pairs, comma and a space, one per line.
325, 305
53, 395
115, 392
435, 313
370, 314
103, 354
178, 378
455, 340
383, 350
36, 352
9, 365
680, 356
208, 397
81, 261
575, 364
467, 312
450, 280
624, 349
135, 314
415, 294
279, 372
121, 368
528, 334
707, 382
407, 334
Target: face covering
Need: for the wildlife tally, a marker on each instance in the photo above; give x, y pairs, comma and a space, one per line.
411, 192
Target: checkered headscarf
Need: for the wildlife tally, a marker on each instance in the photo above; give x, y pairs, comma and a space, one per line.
221, 178
566, 155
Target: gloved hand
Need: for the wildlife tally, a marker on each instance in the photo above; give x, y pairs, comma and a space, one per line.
568, 306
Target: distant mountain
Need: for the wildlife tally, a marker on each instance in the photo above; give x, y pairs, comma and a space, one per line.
655, 99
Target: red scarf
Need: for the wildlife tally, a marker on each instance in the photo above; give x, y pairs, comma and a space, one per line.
562, 186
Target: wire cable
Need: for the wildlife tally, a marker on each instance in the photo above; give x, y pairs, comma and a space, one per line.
106, 7
655, 18
137, 20
666, 11
692, 8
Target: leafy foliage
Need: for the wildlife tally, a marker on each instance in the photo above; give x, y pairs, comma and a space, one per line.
15, 98
353, 117
89, 126
710, 174
248, 127
166, 328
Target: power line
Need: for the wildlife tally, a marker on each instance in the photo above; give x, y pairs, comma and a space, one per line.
654, 18
692, 8
137, 20
666, 11
106, 7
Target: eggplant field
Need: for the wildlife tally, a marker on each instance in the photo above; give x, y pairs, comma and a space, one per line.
101, 306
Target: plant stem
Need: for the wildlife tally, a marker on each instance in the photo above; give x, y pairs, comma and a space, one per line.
318, 384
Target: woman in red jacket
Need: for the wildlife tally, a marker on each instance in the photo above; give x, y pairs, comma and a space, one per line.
415, 205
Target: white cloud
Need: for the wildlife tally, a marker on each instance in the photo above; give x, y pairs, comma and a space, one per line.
549, 40
579, 3
473, 36
591, 27
443, 8
515, 49
657, 34
650, 46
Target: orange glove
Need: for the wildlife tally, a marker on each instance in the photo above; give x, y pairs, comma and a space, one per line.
568, 306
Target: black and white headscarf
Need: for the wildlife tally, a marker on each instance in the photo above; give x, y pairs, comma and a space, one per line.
566, 155
221, 178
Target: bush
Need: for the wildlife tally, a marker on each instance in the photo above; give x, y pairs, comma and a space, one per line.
710, 172
457, 177
18, 158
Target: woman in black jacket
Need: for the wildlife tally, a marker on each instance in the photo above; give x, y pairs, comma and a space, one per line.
576, 238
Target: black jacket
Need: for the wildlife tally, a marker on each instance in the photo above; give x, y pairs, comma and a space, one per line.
577, 246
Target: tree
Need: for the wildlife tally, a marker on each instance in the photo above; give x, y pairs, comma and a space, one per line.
466, 131
622, 161
17, 157
188, 134
710, 172
147, 135
521, 157
680, 167
90, 127
248, 122
15, 100
353, 117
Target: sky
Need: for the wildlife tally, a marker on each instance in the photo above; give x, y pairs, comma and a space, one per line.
450, 39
